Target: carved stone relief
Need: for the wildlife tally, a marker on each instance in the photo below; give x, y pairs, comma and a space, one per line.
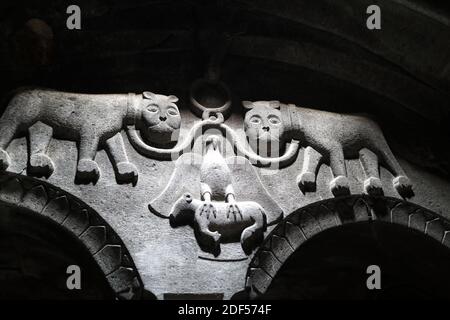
82, 222
222, 197
328, 137
305, 223
205, 192
92, 121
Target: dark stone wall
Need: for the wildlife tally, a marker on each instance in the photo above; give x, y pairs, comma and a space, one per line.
332, 265
312, 53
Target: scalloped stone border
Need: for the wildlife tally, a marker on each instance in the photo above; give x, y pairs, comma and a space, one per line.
310, 220
83, 222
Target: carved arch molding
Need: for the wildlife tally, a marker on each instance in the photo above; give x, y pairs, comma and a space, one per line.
77, 218
309, 221
114, 260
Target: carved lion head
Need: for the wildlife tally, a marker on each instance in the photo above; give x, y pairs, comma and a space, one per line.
160, 118
264, 127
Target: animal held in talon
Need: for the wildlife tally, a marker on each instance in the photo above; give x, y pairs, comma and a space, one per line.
202, 193
92, 120
219, 214
247, 226
328, 137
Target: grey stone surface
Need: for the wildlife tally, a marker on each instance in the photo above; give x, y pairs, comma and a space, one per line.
328, 137
317, 217
92, 121
170, 260
39, 200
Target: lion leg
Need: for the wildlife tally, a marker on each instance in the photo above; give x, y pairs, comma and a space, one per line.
125, 170
40, 164
401, 182
369, 162
339, 185
306, 181
87, 169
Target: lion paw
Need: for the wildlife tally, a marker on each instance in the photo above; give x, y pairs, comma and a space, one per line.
403, 186
5, 160
373, 187
339, 186
306, 181
126, 172
41, 165
87, 171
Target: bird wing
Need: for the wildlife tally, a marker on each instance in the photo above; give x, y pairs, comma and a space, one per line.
185, 178
248, 187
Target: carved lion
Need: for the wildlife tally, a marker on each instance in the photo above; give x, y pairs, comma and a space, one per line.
92, 120
328, 137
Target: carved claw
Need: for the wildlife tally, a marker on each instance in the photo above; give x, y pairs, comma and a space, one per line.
373, 187
41, 165
339, 186
403, 186
5, 160
208, 209
126, 172
234, 210
87, 171
306, 181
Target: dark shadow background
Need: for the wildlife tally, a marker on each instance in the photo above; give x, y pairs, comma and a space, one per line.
34, 255
332, 265
313, 53
316, 54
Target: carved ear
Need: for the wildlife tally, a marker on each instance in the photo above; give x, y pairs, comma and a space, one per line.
149, 95
172, 99
248, 105
274, 104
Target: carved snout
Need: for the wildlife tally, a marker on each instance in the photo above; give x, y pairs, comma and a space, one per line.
187, 197
182, 212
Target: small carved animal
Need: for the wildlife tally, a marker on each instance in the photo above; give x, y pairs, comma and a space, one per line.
328, 137
93, 121
248, 227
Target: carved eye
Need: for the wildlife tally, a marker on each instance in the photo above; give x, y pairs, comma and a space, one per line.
172, 112
153, 108
255, 120
274, 120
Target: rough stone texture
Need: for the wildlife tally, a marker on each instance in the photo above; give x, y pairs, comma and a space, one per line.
188, 269
92, 121
306, 224
311, 53
329, 137
64, 209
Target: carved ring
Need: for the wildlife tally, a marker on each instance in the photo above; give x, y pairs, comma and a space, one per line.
212, 92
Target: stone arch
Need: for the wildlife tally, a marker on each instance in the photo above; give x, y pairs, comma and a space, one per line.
77, 218
306, 222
